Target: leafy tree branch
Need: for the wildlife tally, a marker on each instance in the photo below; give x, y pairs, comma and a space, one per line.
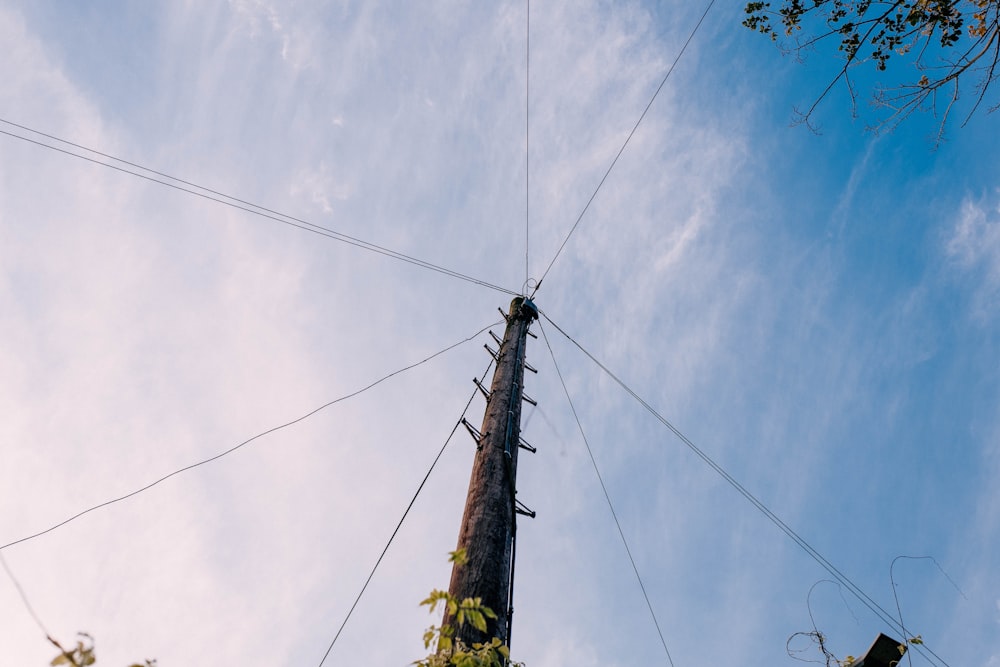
945, 42
451, 651
82, 655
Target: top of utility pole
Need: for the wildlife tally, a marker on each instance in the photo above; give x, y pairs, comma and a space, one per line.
524, 307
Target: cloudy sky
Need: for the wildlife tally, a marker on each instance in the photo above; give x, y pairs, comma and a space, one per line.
817, 312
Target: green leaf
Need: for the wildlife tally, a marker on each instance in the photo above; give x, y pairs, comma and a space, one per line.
434, 598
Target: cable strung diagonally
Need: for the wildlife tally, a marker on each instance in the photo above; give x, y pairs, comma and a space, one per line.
23, 596
188, 187
607, 496
843, 579
895, 595
622, 149
403, 518
245, 442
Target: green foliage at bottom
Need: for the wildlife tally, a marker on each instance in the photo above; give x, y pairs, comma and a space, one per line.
83, 654
452, 652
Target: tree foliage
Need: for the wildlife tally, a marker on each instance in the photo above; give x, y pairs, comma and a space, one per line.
946, 42
452, 652
83, 655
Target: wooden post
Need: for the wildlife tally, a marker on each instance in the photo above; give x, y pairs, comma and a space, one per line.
487, 527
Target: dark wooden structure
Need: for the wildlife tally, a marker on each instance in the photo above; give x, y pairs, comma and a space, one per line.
487, 533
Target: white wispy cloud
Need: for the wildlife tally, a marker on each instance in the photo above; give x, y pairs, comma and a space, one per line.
974, 247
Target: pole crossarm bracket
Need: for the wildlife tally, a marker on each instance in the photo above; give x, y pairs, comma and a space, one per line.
496, 338
523, 510
529, 367
485, 392
474, 432
528, 399
523, 444
493, 353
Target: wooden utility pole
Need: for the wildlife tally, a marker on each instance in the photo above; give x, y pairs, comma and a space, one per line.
488, 524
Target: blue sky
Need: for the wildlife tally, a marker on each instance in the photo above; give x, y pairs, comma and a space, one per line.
817, 312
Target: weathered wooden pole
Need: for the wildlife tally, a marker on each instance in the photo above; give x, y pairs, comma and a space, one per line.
487, 530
